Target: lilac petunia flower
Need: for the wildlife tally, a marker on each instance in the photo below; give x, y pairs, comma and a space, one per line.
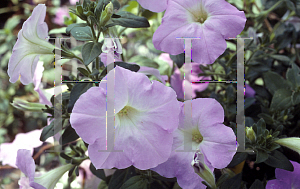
30, 45
286, 179
177, 79
46, 181
60, 15
154, 5
211, 20
144, 121
215, 141
8, 151
37, 78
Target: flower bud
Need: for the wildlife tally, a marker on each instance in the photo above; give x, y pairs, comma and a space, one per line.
292, 143
106, 14
250, 134
27, 106
203, 170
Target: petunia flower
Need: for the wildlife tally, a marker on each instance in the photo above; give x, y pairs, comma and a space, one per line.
286, 179
154, 5
177, 78
30, 45
144, 121
60, 15
8, 151
206, 133
212, 21
37, 78
47, 181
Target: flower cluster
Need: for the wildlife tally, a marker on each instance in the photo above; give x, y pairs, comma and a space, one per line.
151, 128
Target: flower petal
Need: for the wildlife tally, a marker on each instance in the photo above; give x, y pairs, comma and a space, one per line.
26, 163
154, 5
30, 44
88, 114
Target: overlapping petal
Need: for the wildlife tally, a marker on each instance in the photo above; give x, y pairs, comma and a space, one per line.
143, 131
30, 44
218, 143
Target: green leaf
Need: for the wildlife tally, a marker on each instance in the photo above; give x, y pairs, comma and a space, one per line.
282, 99
296, 98
268, 119
82, 33
48, 131
69, 135
280, 58
270, 78
143, 61
77, 90
278, 160
98, 172
257, 185
83, 71
132, 67
232, 183
238, 158
136, 182
293, 75
261, 156
249, 101
90, 51
94, 72
130, 20
120, 177
72, 26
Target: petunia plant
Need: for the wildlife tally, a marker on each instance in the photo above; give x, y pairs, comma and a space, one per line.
134, 108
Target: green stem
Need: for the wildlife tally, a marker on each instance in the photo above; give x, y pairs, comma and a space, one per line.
93, 31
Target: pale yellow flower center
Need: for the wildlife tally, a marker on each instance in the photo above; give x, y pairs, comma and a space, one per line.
198, 14
196, 136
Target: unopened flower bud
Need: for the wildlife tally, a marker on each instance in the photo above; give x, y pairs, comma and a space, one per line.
203, 170
27, 106
106, 14
250, 134
292, 143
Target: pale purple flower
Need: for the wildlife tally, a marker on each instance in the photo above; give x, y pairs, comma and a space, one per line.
37, 181
8, 151
30, 45
73, 2
144, 121
154, 5
37, 78
206, 133
212, 21
60, 15
177, 79
286, 179
26, 164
